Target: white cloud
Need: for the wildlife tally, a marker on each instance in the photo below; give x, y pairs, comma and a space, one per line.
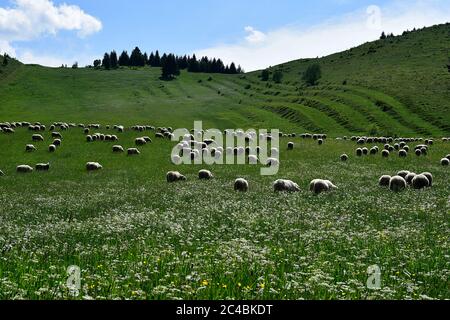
29, 57
31, 19
259, 50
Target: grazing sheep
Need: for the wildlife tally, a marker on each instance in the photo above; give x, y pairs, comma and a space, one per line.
409, 177
140, 141
365, 151
252, 159
205, 175
320, 142
373, 151
285, 185
51, 148
93, 166
402, 153
429, 177
241, 185
30, 148
56, 135
448, 156
344, 157
147, 139
118, 149
173, 176
43, 167
57, 142
418, 152
86, 130
397, 184
403, 173
385, 153
290, 146
318, 186
445, 162
89, 138
159, 135
24, 168
272, 162
37, 137
384, 181
359, 152
1, 173
133, 152
420, 181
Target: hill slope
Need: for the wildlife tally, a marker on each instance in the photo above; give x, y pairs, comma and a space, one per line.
394, 86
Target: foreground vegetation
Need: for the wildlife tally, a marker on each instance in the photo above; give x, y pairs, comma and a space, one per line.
135, 236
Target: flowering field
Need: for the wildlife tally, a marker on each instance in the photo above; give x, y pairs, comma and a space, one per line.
135, 236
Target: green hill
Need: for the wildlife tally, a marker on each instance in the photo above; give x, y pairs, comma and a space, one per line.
400, 85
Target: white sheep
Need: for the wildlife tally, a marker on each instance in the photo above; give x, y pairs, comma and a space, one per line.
93, 166
24, 168
205, 175
403, 173
42, 166
445, 162
37, 137
397, 184
385, 153
409, 177
173, 176
133, 152
290, 146
319, 185
30, 148
384, 181
140, 141
344, 157
118, 149
51, 148
429, 177
420, 181
1, 173
285, 185
241, 185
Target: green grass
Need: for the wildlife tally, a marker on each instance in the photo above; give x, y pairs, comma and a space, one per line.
136, 236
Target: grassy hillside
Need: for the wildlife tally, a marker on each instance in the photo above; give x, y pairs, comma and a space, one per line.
394, 86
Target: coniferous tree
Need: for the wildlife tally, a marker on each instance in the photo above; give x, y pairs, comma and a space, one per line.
113, 60
383, 36
124, 59
169, 67
106, 62
277, 76
193, 65
233, 69
137, 58
157, 59
145, 59
5, 60
151, 59
265, 75
312, 74
97, 63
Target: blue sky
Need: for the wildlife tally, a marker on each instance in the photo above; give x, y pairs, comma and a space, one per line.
41, 31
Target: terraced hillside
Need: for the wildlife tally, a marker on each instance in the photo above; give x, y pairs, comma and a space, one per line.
397, 86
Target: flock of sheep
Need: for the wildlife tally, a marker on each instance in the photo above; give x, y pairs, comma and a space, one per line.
190, 147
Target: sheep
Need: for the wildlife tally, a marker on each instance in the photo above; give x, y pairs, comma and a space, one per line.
397, 184
318, 186
252, 159
174, 176
86, 130
93, 166
344, 157
365, 151
51, 148
56, 135
402, 153
42, 166
445, 162
205, 175
359, 152
147, 139
420, 181
272, 162
290, 146
1, 173
118, 149
429, 177
409, 177
37, 137
418, 152
30, 148
384, 181
140, 141
89, 138
285, 185
403, 173
320, 142
373, 151
24, 168
241, 185
159, 135
385, 153
133, 152
57, 142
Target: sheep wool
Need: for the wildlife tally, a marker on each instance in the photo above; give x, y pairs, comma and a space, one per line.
282, 185
397, 184
241, 185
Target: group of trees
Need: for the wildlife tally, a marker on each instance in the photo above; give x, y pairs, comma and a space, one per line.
5, 60
386, 36
170, 63
311, 76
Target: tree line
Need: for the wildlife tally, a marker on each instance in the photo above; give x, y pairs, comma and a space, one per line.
166, 61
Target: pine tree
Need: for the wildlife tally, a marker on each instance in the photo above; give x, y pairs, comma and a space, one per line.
383, 36
137, 58
193, 65
113, 60
169, 67
124, 59
151, 59
265, 75
233, 69
97, 63
157, 59
312, 74
5, 60
277, 76
145, 59
106, 63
